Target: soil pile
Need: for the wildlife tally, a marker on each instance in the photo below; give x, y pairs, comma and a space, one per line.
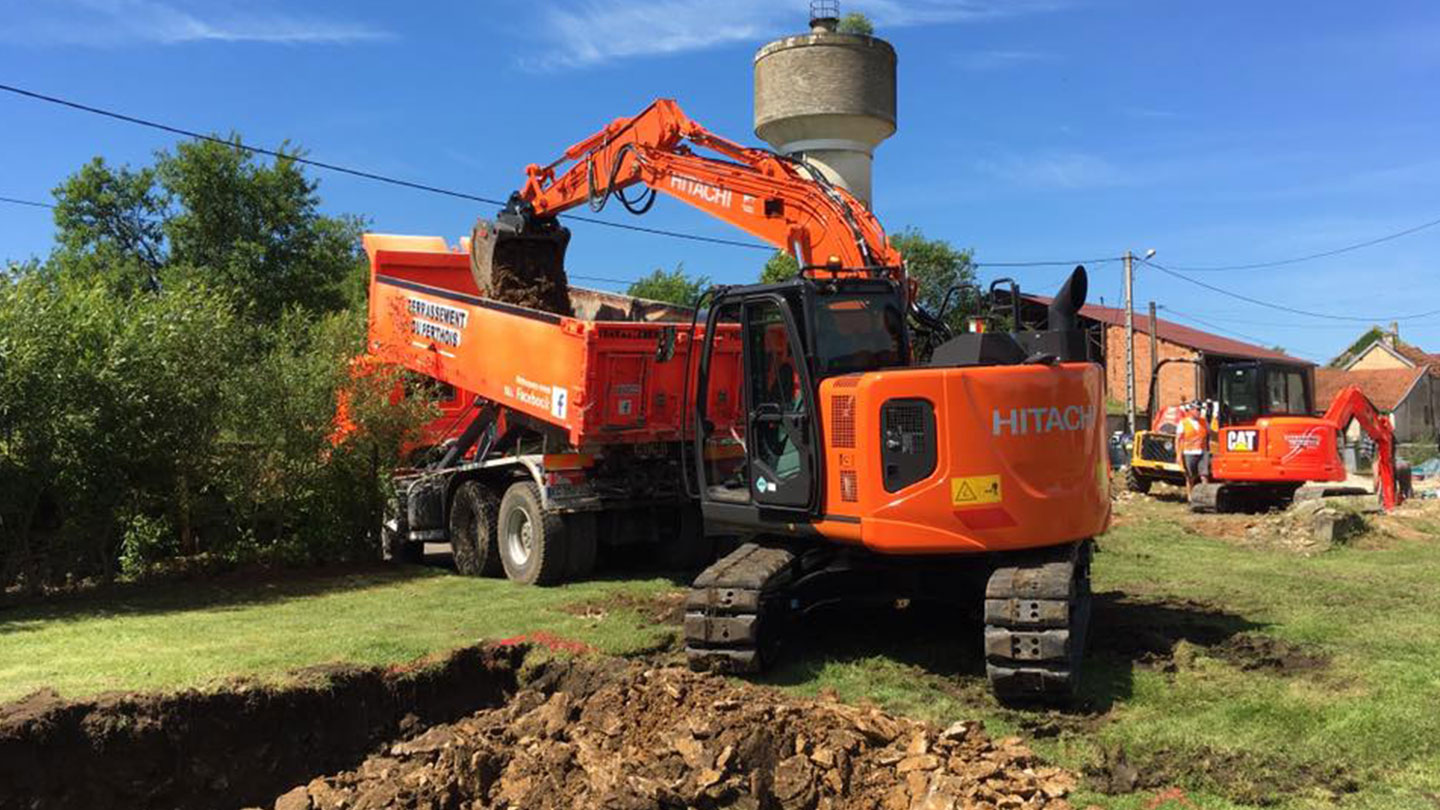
628, 738
1310, 527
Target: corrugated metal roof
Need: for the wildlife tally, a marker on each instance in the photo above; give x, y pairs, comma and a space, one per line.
1180, 334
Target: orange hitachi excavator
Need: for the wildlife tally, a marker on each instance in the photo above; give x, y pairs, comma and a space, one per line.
796, 416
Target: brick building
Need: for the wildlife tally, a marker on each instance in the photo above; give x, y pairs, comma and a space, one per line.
1106, 326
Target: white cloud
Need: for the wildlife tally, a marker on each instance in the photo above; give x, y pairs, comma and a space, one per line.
1000, 60
590, 32
1055, 170
125, 22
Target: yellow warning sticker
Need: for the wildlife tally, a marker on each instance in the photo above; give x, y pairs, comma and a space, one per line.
976, 490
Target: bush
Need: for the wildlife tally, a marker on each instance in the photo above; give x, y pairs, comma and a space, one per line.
289, 489
168, 376
108, 407
135, 428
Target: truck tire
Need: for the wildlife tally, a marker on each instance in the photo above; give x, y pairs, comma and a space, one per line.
532, 540
473, 514
582, 539
1136, 482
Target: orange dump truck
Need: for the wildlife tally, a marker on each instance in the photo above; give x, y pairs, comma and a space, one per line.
588, 412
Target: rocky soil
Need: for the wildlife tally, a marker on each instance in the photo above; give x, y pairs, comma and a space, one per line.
606, 734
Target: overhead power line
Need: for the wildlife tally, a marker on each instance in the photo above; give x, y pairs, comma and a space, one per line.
1232, 333
1070, 263
1266, 324
604, 279
367, 175
1284, 308
32, 203
1323, 254
395, 181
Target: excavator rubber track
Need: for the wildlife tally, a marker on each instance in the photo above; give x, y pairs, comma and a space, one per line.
1037, 616
735, 611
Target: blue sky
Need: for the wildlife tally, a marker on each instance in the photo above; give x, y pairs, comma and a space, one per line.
1221, 133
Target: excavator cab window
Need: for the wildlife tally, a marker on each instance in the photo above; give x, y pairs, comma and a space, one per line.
857, 332
1249, 391
723, 426
1286, 392
780, 445
857, 325
1240, 394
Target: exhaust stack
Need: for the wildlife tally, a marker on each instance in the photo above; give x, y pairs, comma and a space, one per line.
1068, 301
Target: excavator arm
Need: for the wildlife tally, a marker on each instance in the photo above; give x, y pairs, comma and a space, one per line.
1351, 403
783, 201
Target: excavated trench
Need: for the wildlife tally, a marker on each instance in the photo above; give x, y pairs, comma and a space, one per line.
234, 746
487, 728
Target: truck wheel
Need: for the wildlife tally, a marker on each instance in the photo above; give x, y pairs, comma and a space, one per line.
532, 540
1136, 482
473, 514
582, 545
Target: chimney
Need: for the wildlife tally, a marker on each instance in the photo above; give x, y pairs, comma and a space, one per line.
1392, 337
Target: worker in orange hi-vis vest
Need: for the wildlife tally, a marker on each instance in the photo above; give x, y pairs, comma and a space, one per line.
1192, 442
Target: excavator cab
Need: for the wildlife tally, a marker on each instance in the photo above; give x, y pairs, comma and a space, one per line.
764, 465
1253, 389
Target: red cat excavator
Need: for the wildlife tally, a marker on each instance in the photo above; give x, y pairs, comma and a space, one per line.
1269, 448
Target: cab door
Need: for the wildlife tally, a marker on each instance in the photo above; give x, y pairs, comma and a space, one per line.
755, 439
781, 449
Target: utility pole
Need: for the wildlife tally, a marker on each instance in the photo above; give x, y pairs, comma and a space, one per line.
1130, 336
1130, 341
1154, 360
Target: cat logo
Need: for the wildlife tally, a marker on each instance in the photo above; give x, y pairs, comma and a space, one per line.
1241, 441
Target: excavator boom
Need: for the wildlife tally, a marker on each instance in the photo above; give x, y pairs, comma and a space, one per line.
1352, 404
780, 200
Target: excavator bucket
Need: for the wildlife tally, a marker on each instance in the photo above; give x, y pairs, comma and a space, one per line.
521, 261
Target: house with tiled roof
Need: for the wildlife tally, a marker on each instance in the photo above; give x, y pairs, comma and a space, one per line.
1402, 380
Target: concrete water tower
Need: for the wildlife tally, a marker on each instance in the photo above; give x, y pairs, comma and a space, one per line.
827, 96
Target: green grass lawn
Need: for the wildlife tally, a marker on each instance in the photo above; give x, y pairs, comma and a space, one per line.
1355, 724
1179, 690
195, 634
